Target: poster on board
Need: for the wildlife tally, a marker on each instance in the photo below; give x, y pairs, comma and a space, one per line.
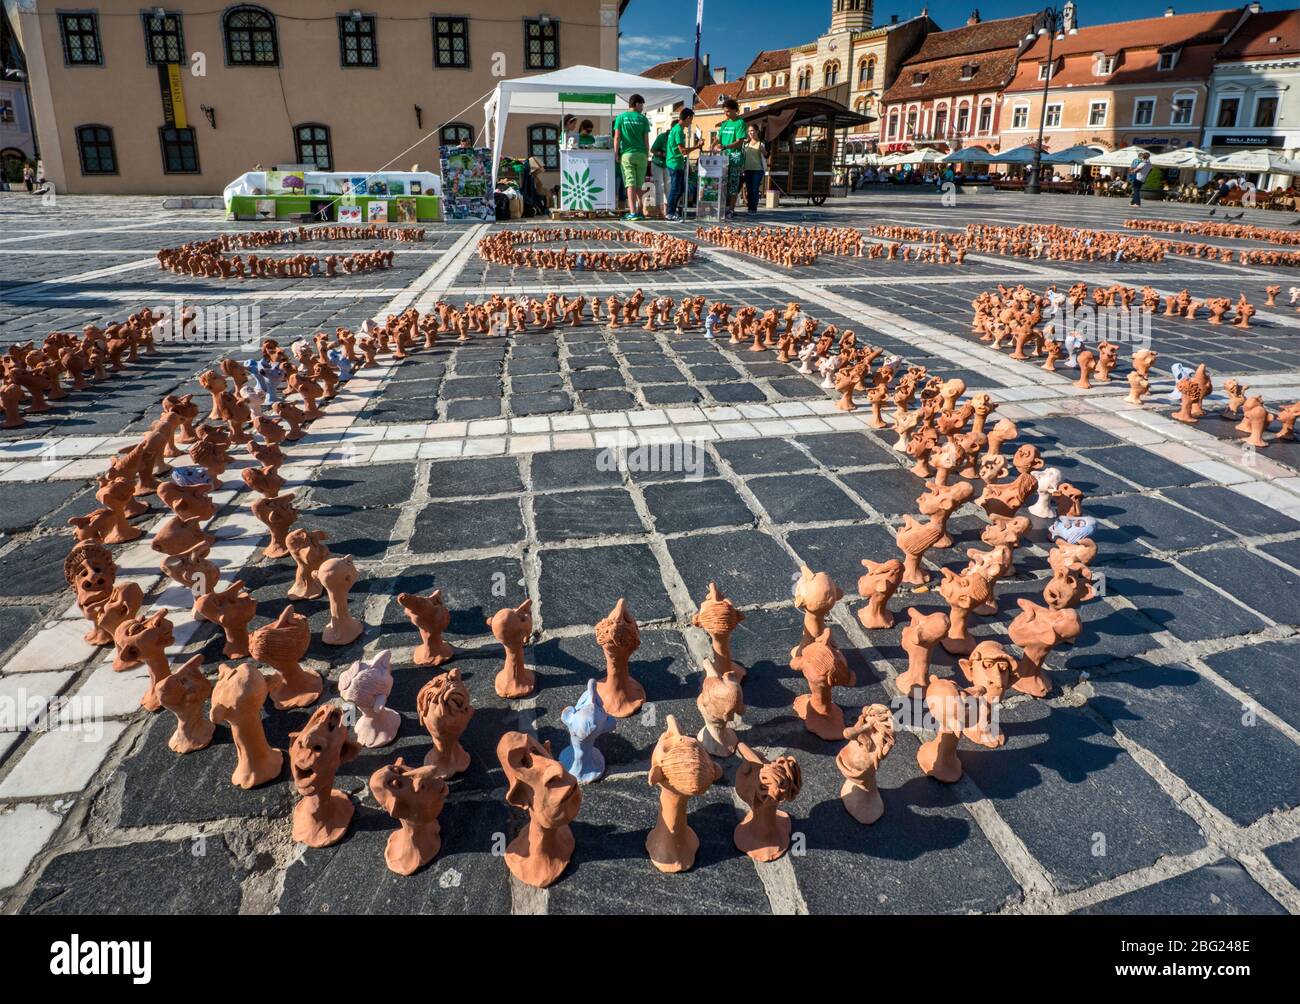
711, 203
467, 184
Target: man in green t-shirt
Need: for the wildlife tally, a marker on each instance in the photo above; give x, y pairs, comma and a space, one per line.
677, 156
632, 150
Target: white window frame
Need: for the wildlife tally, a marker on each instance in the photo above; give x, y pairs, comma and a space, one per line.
1277, 109
1160, 61
1016, 110
780, 80
1104, 66
979, 114
1138, 102
1236, 96
1046, 70
1059, 108
1173, 108
964, 106
1105, 113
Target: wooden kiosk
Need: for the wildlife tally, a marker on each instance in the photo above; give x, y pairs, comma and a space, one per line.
800, 134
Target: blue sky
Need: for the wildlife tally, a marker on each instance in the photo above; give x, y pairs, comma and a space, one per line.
735, 30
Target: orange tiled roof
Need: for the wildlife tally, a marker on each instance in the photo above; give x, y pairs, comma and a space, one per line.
712, 95
1210, 27
986, 36
770, 60
992, 70
665, 70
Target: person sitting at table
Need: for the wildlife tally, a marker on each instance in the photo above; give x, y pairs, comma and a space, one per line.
586, 134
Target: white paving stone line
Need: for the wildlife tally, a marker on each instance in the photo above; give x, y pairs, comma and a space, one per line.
33, 289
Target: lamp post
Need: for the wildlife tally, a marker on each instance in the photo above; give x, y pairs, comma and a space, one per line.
1054, 24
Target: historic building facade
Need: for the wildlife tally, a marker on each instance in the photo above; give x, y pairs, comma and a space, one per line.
949, 93
184, 97
1254, 100
1135, 83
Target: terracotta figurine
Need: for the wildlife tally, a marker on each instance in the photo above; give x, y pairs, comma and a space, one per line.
870, 739
540, 786
512, 628
237, 699
322, 815
184, 693
762, 784
444, 708
414, 796
618, 636
681, 768
366, 685
430, 617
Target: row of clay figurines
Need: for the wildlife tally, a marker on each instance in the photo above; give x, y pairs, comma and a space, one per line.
30, 378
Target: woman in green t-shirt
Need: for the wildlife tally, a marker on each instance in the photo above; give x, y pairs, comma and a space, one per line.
731, 140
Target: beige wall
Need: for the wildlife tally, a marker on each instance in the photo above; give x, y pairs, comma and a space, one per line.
370, 111
1118, 130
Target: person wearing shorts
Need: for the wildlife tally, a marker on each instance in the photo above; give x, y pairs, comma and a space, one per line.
659, 169
632, 150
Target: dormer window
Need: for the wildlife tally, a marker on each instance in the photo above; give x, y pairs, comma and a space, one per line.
1045, 71
1105, 66
1168, 60
751, 84
968, 71
919, 77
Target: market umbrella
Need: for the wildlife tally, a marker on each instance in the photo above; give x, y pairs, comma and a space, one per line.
1117, 158
1074, 155
969, 155
926, 156
1189, 157
1255, 162
1020, 155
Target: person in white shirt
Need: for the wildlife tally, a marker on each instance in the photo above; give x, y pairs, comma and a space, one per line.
1137, 175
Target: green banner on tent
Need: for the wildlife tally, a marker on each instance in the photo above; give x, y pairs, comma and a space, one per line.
582, 98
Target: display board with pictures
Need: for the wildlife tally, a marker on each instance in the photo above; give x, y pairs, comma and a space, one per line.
467, 183
711, 202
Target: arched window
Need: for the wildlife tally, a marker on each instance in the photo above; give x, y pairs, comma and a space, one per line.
250, 37
893, 124
831, 73
95, 147
941, 122
866, 70
453, 132
312, 141
544, 144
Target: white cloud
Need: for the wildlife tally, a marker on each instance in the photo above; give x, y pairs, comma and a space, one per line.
638, 52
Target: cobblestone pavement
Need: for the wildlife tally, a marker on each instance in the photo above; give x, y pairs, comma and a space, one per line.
1160, 776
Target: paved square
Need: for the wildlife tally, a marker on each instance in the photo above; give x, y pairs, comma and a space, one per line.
1160, 775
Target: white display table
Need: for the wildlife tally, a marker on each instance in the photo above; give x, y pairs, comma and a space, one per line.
588, 180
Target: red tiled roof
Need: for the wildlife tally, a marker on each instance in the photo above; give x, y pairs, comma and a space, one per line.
992, 71
1137, 46
770, 60
986, 36
1254, 39
1210, 27
665, 70
712, 95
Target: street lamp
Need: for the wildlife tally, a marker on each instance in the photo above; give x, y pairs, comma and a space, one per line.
1054, 24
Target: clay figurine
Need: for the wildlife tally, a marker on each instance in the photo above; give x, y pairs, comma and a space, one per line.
720, 700
824, 667
540, 786
681, 768
414, 796
231, 610
964, 593
989, 670
308, 550
1037, 630
322, 815
869, 741
586, 721
946, 705
145, 640
430, 617
764, 833
878, 587
816, 595
918, 640
1049, 479
444, 708
512, 628
184, 693
366, 685
719, 617
281, 645
277, 514
617, 635
338, 576
237, 699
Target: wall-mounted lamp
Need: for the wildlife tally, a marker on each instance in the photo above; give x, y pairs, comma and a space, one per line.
210, 114
419, 117
355, 15
159, 12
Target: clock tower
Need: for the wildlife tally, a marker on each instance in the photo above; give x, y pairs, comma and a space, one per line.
850, 15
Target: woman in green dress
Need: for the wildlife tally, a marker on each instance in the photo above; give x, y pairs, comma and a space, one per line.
732, 134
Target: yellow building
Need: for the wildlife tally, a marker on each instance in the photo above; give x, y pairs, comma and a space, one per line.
181, 99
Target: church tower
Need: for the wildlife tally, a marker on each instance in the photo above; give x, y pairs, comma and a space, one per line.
850, 15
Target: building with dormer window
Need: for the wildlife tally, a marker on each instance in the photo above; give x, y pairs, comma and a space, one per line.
1134, 83
948, 94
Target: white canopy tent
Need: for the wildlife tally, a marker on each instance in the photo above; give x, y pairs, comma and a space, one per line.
1185, 158
969, 155
1122, 158
1020, 155
1074, 155
1255, 162
544, 94
924, 156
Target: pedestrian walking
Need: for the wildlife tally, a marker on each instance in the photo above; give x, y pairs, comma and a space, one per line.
1137, 175
632, 151
755, 168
